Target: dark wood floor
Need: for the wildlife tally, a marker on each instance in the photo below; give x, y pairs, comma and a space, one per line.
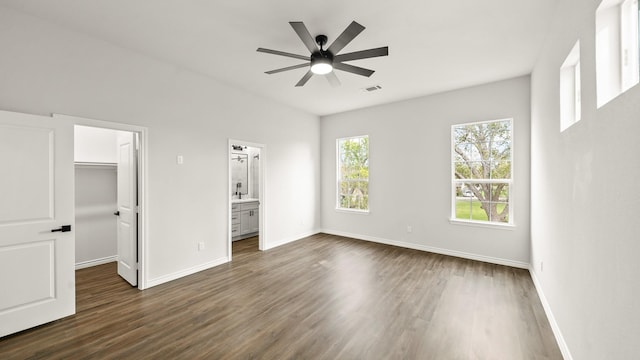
323, 297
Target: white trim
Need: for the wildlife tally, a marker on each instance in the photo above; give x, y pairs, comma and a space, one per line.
484, 224
482, 122
186, 272
432, 249
483, 181
509, 181
564, 348
570, 78
616, 49
293, 239
96, 262
353, 211
338, 178
143, 184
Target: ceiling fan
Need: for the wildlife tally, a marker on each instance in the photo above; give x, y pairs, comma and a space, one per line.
324, 61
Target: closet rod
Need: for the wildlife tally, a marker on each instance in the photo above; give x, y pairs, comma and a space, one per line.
100, 164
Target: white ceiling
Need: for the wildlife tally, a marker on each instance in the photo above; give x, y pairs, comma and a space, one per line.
434, 46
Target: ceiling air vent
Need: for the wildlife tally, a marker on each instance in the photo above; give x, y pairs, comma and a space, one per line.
372, 88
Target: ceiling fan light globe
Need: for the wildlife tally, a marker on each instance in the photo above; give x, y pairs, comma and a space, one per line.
321, 68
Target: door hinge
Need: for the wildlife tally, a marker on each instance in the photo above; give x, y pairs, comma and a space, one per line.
137, 209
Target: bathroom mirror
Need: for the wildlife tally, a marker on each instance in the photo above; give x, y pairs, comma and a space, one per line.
239, 174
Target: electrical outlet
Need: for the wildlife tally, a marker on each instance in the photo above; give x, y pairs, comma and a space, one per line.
409, 229
541, 266
201, 246
180, 159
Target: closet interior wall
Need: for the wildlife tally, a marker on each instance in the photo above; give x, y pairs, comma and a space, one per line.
95, 195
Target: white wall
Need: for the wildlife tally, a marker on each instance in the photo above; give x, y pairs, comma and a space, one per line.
585, 201
47, 69
410, 172
95, 191
95, 226
95, 145
254, 172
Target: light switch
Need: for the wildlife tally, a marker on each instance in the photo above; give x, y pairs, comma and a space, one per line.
180, 159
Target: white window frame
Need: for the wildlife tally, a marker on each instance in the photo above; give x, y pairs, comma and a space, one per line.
509, 181
617, 49
570, 97
339, 176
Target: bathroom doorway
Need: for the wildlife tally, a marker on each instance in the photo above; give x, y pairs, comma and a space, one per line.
246, 196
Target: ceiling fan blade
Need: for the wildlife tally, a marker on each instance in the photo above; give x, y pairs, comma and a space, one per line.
304, 35
305, 78
287, 68
364, 54
333, 79
353, 69
282, 53
347, 35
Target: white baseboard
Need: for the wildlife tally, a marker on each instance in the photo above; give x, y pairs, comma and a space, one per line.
291, 239
95, 262
178, 274
564, 348
192, 270
460, 254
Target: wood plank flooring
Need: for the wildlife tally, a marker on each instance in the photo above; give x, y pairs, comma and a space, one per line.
322, 297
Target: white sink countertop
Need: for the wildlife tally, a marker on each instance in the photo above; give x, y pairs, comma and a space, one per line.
236, 201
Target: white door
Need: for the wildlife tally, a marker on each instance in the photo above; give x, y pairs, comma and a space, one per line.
37, 274
127, 200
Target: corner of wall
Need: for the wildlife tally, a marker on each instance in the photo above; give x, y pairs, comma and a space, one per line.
178, 274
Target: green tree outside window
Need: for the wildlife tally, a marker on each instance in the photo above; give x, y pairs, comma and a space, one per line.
482, 170
353, 173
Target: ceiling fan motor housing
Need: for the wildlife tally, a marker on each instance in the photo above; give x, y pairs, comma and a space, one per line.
321, 62
325, 57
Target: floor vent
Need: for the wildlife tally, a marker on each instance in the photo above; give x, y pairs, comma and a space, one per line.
372, 88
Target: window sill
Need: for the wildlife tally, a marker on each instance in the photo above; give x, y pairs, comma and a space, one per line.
353, 211
483, 224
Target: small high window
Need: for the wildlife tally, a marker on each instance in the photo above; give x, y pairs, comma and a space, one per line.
570, 103
617, 48
353, 173
482, 172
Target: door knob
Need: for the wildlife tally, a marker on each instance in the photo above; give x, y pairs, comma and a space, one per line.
117, 213
63, 228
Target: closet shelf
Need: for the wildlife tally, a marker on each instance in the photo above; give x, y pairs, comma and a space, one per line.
94, 164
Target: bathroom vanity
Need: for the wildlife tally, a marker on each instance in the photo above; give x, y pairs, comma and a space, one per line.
244, 218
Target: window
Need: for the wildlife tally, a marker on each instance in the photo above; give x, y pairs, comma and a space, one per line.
482, 172
617, 48
353, 173
570, 104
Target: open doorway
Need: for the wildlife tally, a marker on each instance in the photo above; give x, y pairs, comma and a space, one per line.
109, 197
246, 197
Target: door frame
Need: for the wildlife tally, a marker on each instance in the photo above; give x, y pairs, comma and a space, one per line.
143, 139
262, 239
